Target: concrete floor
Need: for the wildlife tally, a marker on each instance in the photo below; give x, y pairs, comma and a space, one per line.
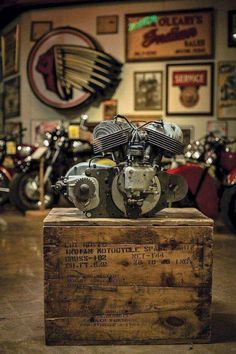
21, 295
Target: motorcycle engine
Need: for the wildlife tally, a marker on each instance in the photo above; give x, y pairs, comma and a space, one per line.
133, 184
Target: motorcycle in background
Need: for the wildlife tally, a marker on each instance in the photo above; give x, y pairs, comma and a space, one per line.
12, 152
210, 171
62, 153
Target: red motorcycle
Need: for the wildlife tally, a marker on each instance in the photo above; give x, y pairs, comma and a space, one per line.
12, 152
210, 171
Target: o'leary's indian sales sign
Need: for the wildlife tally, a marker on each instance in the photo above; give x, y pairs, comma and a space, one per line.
169, 35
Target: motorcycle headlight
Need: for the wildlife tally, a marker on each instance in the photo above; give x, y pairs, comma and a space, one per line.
24, 151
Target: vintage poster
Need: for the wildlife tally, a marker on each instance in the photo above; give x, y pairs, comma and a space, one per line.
40, 127
189, 89
11, 97
169, 35
226, 100
109, 109
148, 90
10, 52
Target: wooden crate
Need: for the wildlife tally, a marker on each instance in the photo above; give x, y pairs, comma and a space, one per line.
122, 281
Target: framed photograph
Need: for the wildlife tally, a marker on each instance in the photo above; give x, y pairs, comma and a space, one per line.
220, 128
107, 24
189, 89
12, 128
184, 34
226, 94
39, 28
148, 87
188, 134
110, 109
11, 97
40, 127
10, 52
1, 113
232, 28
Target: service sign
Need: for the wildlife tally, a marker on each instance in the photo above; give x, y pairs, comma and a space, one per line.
169, 35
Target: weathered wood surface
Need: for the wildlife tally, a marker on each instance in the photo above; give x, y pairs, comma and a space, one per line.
142, 328
114, 283
169, 216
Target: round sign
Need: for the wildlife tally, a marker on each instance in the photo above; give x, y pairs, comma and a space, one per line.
54, 64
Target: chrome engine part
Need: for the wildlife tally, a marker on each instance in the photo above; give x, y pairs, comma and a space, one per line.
133, 183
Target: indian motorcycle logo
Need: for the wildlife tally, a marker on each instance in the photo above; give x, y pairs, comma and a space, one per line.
66, 69
189, 83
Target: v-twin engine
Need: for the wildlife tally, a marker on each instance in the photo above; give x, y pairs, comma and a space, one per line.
125, 178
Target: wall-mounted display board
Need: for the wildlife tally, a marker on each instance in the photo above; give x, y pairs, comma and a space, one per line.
11, 97
185, 34
232, 28
10, 51
107, 24
188, 134
39, 28
148, 88
226, 98
189, 89
109, 109
67, 69
220, 128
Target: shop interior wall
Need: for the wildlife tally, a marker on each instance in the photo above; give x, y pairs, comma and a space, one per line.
84, 18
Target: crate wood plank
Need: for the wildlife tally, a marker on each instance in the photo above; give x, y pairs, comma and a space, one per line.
170, 263
168, 216
89, 300
137, 328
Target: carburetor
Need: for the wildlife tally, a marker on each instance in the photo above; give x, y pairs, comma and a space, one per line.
133, 183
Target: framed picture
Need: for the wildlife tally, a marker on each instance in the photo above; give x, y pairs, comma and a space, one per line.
11, 97
148, 90
232, 28
1, 112
40, 127
110, 109
12, 128
184, 34
10, 52
189, 89
107, 24
188, 134
220, 128
39, 28
226, 94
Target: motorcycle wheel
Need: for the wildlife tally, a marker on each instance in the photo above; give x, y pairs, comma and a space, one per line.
24, 192
228, 207
4, 183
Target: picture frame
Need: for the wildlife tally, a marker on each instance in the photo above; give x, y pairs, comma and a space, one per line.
218, 127
232, 28
148, 90
188, 133
189, 89
226, 90
39, 28
11, 97
109, 109
107, 24
170, 35
39, 127
10, 51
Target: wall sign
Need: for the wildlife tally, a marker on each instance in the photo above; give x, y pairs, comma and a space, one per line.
11, 97
226, 102
169, 35
67, 68
148, 90
189, 89
10, 51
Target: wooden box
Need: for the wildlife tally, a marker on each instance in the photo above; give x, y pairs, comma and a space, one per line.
122, 281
